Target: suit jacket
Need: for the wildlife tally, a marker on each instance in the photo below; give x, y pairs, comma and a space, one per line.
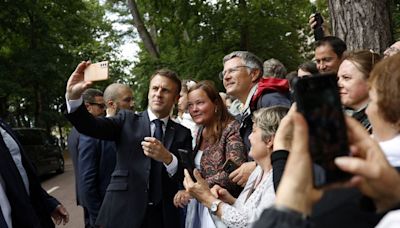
73, 140
126, 199
33, 210
96, 162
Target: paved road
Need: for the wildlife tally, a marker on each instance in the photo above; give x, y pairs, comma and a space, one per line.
63, 188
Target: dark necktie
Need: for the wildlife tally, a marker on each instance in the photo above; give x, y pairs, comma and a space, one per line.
3, 223
155, 187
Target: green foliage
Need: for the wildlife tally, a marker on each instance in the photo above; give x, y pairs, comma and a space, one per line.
395, 11
41, 44
193, 36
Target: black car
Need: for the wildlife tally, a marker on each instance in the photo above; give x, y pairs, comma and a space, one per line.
42, 148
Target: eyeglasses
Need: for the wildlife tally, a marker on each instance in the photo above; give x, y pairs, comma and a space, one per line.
102, 106
230, 70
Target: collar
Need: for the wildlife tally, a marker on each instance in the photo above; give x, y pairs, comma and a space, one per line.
352, 112
245, 108
152, 117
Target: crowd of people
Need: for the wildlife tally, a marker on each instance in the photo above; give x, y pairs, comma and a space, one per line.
249, 149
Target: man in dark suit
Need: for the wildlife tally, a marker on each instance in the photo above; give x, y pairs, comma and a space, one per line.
147, 172
23, 202
97, 157
86, 157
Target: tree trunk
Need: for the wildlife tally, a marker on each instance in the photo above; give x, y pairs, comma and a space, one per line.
362, 24
143, 33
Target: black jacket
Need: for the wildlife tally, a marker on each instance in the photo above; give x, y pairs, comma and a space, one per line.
33, 210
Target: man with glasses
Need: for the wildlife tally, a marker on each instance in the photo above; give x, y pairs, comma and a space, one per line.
97, 159
80, 146
241, 76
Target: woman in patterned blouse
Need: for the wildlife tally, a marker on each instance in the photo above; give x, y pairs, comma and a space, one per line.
218, 140
258, 193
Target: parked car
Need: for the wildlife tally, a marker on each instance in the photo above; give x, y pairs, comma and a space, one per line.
42, 148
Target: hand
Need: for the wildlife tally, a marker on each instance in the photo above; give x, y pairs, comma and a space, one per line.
111, 111
182, 198
312, 22
374, 176
284, 134
76, 83
222, 194
198, 189
241, 174
60, 214
154, 149
296, 190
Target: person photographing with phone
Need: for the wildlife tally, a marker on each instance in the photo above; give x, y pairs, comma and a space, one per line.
296, 195
258, 192
147, 172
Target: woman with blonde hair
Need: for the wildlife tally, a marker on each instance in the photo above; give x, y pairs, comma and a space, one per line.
353, 77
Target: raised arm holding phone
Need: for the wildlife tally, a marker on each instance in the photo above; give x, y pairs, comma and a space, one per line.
147, 172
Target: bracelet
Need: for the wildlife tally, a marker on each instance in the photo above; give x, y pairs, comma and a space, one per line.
291, 211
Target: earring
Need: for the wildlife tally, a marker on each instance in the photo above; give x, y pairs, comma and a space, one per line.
215, 110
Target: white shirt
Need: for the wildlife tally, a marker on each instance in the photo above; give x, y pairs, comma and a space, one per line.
16, 156
391, 149
390, 220
5, 204
244, 212
172, 168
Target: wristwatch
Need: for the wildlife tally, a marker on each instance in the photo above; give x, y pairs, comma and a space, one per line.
214, 207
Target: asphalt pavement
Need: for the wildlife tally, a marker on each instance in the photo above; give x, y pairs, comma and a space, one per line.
62, 187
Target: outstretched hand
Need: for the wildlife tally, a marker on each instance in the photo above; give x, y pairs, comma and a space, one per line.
198, 189
296, 190
76, 83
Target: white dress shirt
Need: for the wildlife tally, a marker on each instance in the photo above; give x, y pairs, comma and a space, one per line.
16, 156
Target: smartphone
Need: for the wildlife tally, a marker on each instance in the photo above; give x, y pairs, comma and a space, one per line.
96, 71
229, 166
187, 162
318, 99
318, 30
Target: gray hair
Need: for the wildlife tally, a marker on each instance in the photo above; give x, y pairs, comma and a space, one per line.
249, 59
274, 68
268, 119
89, 95
113, 91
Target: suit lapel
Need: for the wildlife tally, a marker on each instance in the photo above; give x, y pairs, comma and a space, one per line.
144, 123
25, 160
169, 134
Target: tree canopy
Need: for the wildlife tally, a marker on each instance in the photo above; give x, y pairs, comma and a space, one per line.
41, 43
191, 37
